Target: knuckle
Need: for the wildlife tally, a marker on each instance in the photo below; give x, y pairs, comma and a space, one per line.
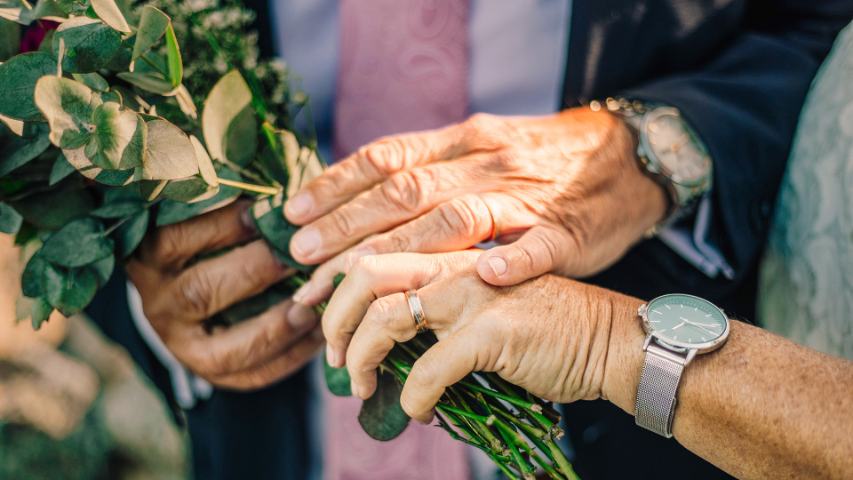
386, 155
478, 123
343, 223
503, 160
167, 243
409, 190
461, 216
195, 293
379, 313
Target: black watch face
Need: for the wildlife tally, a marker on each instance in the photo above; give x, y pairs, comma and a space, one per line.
682, 156
686, 321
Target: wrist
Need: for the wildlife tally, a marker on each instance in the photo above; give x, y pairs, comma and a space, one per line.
624, 354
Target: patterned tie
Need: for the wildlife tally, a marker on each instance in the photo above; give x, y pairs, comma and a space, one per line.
403, 67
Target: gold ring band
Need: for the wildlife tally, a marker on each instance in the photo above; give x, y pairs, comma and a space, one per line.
417, 310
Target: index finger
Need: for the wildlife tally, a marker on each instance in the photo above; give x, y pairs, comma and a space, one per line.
368, 166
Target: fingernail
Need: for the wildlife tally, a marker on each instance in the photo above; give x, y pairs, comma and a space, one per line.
301, 293
247, 220
300, 205
306, 241
332, 357
498, 265
356, 390
300, 316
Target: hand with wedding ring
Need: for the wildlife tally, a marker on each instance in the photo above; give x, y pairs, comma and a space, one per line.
563, 192
550, 335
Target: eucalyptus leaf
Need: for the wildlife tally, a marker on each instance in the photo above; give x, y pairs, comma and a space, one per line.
60, 170
115, 130
205, 165
10, 44
170, 212
170, 153
276, 230
92, 80
254, 306
10, 219
337, 379
70, 290
129, 235
117, 178
16, 152
381, 415
189, 190
241, 138
68, 106
225, 102
118, 209
173, 55
150, 81
103, 269
109, 12
52, 209
78, 243
89, 44
32, 284
18, 79
40, 312
152, 26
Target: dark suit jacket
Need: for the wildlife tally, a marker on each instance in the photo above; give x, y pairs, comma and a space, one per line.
738, 70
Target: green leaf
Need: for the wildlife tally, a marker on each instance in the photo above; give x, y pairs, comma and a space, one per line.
60, 170
381, 415
149, 81
130, 234
116, 178
109, 12
10, 45
224, 104
52, 209
10, 219
170, 212
93, 81
152, 27
32, 284
70, 290
189, 190
170, 153
173, 54
275, 229
115, 130
337, 379
68, 106
241, 138
89, 44
103, 269
118, 209
16, 152
40, 312
78, 243
18, 79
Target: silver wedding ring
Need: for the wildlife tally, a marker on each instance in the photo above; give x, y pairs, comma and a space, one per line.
417, 310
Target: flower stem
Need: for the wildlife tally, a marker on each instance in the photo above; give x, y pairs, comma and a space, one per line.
250, 187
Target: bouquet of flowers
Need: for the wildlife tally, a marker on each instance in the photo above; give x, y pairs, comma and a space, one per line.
108, 129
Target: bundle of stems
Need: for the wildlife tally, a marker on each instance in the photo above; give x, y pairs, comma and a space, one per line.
518, 431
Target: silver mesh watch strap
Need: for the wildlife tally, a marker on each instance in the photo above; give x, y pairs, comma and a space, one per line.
655, 406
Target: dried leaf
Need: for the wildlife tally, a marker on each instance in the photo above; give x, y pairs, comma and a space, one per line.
170, 154
108, 11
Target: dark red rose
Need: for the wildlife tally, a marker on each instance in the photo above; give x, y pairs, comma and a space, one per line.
35, 34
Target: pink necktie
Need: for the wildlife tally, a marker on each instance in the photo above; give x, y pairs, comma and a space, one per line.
403, 67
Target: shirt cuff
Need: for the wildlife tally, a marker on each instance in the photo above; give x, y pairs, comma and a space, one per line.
187, 387
691, 242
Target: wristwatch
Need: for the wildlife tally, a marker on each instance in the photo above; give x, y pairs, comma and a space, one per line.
668, 149
678, 327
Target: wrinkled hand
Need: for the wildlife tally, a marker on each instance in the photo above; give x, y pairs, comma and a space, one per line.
551, 335
565, 189
179, 295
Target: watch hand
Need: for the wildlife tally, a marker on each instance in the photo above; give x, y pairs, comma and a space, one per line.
679, 325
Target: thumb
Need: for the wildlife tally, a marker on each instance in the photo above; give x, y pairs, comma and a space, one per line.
540, 250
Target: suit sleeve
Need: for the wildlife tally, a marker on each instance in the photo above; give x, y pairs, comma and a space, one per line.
744, 104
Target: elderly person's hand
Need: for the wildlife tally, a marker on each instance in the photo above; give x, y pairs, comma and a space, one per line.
179, 293
566, 189
550, 335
